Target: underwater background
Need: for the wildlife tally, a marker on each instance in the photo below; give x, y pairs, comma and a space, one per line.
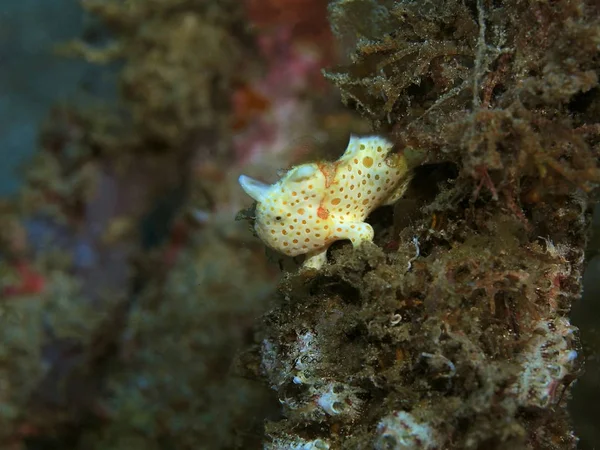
139, 311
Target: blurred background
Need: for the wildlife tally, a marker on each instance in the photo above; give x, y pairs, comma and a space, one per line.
126, 281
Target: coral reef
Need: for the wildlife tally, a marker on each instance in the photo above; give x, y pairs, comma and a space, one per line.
170, 383
451, 330
464, 337
174, 80
127, 287
124, 291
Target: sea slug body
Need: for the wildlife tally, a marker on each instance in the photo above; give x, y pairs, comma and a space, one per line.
316, 204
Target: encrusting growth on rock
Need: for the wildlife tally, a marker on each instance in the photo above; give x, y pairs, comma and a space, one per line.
316, 204
451, 330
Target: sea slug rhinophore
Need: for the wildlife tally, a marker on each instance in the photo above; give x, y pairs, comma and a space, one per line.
316, 204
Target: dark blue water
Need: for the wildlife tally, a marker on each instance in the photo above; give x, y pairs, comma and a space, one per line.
32, 77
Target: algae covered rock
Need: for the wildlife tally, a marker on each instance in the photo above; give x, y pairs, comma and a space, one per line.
452, 329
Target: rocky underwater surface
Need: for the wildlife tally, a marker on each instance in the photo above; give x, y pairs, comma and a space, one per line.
138, 313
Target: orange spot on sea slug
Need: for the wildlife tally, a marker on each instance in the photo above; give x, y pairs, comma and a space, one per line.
322, 213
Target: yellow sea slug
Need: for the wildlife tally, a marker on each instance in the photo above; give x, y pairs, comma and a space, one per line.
316, 204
